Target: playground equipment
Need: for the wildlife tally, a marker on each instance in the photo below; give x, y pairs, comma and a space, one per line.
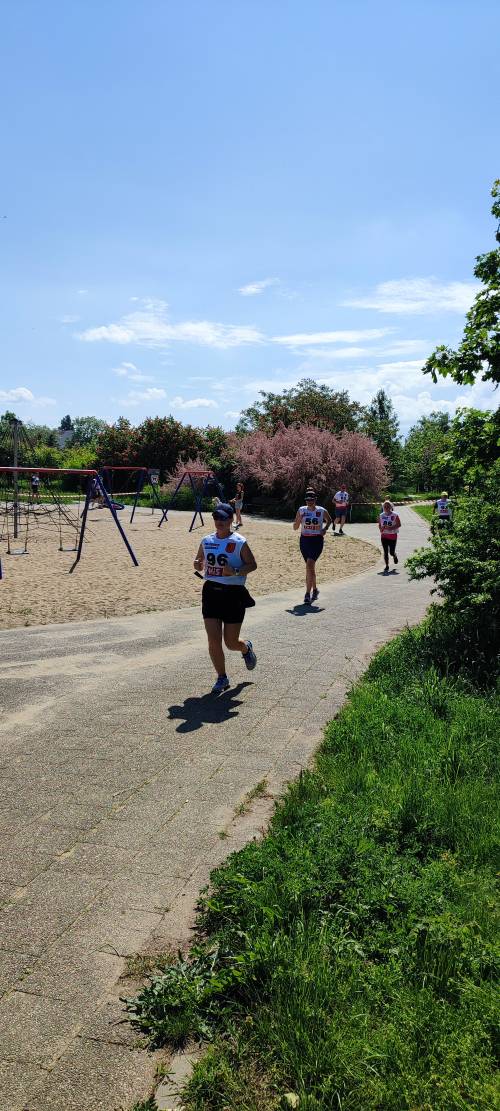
21, 508
138, 478
207, 479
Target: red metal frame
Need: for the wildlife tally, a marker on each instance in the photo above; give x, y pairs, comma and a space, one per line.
48, 470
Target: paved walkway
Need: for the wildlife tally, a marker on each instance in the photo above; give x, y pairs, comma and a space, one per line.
117, 777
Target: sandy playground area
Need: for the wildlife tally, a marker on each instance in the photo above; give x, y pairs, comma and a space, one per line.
36, 589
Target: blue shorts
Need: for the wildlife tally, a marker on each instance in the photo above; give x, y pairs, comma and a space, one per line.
340, 511
311, 547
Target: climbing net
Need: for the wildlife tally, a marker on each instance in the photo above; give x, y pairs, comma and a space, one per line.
31, 502
30, 498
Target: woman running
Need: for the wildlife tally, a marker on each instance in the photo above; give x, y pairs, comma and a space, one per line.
225, 560
389, 525
313, 521
341, 500
237, 501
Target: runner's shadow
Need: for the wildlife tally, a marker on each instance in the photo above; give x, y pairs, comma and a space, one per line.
197, 712
302, 611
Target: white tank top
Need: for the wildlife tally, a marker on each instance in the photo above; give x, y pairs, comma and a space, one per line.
218, 553
341, 498
311, 520
443, 507
389, 525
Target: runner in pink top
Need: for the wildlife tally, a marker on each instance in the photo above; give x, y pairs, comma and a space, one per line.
389, 525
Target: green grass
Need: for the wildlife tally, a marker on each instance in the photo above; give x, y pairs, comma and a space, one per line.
349, 958
425, 511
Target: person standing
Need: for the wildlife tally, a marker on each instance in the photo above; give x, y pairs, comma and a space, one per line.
444, 511
341, 507
35, 486
389, 525
225, 560
313, 521
237, 501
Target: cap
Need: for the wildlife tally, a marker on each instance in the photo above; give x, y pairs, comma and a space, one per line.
310, 493
223, 512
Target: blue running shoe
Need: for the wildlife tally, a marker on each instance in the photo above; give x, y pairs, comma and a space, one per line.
307, 599
221, 685
315, 594
249, 657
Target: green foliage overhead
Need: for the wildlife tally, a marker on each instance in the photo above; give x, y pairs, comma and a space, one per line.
307, 403
478, 355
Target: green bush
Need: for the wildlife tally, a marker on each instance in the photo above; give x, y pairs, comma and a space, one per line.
350, 957
464, 563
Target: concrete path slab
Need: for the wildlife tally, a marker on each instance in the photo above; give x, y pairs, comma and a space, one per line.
119, 773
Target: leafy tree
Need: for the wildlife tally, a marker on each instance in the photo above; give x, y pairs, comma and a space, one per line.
478, 355
472, 447
157, 442
66, 424
306, 403
286, 462
424, 461
381, 424
86, 430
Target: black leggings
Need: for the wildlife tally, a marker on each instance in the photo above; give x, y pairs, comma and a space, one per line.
389, 545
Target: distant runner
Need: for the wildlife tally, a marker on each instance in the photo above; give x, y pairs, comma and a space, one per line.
313, 521
341, 500
35, 486
237, 501
225, 560
389, 525
444, 511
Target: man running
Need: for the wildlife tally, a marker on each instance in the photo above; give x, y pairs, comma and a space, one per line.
444, 511
341, 506
389, 525
225, 560
313, 521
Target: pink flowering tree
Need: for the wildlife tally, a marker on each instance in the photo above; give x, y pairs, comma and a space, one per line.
293, 458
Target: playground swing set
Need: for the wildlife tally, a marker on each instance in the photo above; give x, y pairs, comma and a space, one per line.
208, 482
137, 477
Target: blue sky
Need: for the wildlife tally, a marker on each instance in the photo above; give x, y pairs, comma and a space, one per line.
202, 200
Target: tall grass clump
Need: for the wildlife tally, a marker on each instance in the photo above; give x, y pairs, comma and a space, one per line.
349, 959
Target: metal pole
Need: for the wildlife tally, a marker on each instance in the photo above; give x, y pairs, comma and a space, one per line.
114, 514
82, 526
15, 476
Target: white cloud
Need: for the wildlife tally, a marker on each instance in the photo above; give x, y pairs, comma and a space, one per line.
20, 395
130, 371
82, 291
233, 413
68, 319
138, 397
254, 288
417, 296
151, 327
193, 403
340, 353
306, 339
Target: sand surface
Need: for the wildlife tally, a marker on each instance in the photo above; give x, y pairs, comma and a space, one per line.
36, 589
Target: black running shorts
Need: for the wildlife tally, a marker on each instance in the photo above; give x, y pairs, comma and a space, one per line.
225, 603
311, 547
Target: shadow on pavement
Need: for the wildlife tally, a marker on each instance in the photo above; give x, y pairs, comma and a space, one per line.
209, 708
302, 611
